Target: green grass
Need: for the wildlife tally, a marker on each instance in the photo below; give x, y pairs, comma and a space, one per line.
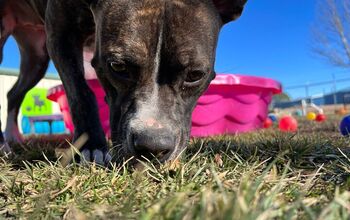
262, 175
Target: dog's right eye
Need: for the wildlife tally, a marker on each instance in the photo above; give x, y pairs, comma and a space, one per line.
194, 78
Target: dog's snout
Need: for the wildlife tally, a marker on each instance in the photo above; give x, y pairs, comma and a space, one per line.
156, 142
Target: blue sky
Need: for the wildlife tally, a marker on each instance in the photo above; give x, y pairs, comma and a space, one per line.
271, 39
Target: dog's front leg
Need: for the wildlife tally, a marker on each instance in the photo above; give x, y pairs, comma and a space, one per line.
67, 25
4, 147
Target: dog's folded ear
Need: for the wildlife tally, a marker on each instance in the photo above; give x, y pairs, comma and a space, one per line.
229, 9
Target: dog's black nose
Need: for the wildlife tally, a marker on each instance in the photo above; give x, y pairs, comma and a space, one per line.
153, 142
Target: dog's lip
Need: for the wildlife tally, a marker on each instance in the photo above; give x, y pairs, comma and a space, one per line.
176, 150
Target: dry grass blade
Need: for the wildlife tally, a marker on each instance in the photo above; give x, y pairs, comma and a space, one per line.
66, 156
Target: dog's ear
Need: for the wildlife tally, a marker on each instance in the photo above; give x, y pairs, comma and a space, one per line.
229, 9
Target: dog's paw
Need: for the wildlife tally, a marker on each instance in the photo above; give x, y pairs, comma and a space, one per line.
96, 156
5, 149
13, 136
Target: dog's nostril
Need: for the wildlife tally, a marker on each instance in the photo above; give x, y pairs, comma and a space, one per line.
152, 144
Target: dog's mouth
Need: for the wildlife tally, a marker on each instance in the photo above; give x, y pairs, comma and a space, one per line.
124, 153
160, 157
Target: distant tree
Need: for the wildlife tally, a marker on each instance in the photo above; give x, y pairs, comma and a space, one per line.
331, 32
283, 97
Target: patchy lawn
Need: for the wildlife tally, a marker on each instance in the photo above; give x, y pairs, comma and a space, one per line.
262, 175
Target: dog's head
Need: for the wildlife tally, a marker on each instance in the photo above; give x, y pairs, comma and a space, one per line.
154, 59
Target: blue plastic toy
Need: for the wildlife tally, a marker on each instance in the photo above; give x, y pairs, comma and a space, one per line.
298, 113
345, 126
273, 117
57, 127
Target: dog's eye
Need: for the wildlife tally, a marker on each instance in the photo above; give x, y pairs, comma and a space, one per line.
193, 78
119, 70
116, 67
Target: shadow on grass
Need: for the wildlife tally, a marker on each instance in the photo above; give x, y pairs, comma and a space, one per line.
36, 148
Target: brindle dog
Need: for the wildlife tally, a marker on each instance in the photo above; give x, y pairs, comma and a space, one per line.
154, 59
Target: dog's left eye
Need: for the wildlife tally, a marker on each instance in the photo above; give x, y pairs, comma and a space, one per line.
116, 67
119, 70
193, 78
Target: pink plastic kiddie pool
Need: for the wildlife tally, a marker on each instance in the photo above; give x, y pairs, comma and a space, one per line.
57, 94
232, 104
